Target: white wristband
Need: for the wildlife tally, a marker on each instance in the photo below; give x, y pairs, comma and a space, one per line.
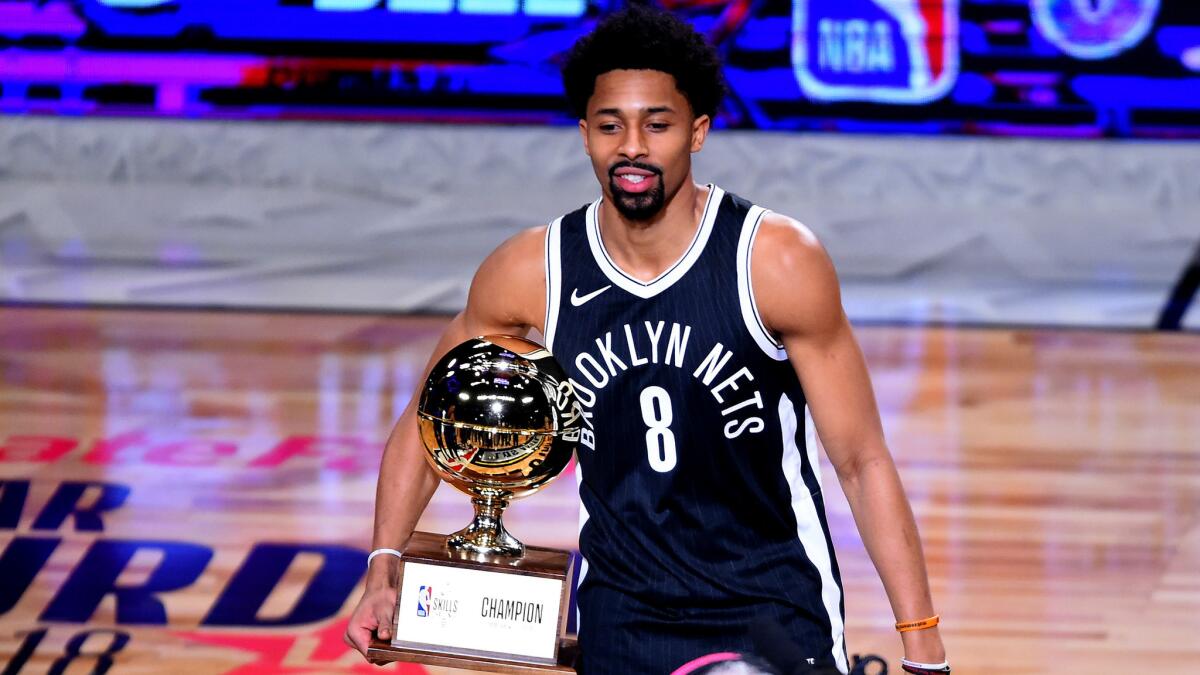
382, 551
926, 666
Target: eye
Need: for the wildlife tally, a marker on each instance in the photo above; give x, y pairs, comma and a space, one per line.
658, 126
608, 128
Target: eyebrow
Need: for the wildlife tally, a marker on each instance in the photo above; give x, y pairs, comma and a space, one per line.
649, 111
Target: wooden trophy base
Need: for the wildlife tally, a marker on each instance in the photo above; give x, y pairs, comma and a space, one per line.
381, 653
513, 609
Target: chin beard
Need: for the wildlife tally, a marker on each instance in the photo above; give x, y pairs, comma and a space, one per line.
638, 206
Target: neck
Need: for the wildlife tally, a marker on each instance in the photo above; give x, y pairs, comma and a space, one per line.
644, 249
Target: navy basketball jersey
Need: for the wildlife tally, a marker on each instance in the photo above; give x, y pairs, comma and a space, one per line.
699, 483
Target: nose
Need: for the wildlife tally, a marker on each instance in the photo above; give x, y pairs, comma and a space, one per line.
633, 143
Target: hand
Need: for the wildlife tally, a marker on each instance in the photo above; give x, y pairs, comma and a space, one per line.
374, 614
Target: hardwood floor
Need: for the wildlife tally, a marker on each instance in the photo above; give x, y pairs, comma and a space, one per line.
224, 464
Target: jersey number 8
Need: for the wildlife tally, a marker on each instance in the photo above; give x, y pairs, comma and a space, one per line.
660, 442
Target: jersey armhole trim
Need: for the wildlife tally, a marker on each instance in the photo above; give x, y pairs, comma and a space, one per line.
553, 264
750, 315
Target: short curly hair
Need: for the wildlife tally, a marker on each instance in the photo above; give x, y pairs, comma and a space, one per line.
643, 38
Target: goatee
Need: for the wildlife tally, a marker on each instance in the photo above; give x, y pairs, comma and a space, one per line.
637, 206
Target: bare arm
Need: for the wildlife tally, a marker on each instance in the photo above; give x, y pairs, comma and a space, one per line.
406, 481
507, 297
797, 293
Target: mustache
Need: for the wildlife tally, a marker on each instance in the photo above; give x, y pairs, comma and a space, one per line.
612, 170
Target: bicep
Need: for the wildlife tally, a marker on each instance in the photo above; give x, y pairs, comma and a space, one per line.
798, 295
506, 295
508, 292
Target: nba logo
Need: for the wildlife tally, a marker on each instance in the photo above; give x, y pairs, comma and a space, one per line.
885, 51
423, 597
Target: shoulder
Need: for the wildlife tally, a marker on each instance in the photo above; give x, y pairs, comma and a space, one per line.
510, 285
785, 242
520, 254
795, 285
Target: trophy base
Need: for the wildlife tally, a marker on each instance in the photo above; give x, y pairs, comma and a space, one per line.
381, 653
477, 611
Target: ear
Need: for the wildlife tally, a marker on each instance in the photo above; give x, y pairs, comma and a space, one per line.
583, 131
700, 127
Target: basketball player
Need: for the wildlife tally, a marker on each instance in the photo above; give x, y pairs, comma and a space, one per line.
698, 330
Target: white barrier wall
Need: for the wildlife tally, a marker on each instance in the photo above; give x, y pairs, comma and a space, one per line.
396, 217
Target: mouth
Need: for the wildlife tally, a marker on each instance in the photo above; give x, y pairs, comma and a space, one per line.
635, 182
635, 179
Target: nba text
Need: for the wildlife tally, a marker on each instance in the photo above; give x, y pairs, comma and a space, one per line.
855, 46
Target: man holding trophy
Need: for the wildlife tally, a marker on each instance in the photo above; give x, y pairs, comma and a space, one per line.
705, 345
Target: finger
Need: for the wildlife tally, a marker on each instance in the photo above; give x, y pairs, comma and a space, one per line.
359, 637
384, 616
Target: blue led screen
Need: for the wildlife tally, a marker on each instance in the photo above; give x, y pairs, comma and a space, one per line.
1108, 68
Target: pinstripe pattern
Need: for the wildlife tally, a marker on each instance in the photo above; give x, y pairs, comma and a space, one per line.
802, 472
684, 549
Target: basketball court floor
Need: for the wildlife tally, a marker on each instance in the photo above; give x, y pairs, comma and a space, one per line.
192, 491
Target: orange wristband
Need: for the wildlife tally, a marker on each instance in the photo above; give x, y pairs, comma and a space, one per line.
905, 626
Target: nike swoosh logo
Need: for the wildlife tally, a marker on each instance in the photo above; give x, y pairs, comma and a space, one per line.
578, 300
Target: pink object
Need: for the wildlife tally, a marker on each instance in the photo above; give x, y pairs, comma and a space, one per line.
696, 664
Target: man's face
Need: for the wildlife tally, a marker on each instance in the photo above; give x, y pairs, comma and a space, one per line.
640, 133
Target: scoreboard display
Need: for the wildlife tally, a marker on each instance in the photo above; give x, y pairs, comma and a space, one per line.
1086, 68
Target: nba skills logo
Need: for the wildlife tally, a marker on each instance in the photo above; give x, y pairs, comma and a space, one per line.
886, 51
441, 608
423, 597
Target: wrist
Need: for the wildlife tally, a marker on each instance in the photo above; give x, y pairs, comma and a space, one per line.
917, 668
382, 572
924, 646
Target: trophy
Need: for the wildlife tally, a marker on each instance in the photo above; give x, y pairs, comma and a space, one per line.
499, 420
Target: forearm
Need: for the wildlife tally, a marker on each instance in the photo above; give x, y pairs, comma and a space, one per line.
889, 532
406, 484
406, 481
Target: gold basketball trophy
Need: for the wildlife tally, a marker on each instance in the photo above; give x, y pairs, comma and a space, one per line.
499, 420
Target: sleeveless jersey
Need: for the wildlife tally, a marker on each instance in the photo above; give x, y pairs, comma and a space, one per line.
698, 476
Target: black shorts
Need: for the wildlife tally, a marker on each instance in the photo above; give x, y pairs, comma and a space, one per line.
622, 635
